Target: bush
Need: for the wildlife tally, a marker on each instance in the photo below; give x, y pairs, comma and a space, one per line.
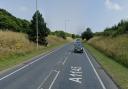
116, 47
87, 34
61, 34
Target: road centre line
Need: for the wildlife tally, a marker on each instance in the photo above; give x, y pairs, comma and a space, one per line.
40, 86
45, 80
54, 79
101, 82
66, 58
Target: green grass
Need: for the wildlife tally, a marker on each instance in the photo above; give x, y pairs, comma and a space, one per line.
16, 59
15, 48
114, 47
118, 72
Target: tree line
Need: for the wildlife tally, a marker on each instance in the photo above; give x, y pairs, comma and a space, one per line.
63, 34
12, 23
120, 28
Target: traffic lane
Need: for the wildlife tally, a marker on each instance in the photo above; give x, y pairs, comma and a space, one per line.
36, 59
108, 82
77, 74
31, 76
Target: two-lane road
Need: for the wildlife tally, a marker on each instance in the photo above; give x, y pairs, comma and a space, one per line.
60, 69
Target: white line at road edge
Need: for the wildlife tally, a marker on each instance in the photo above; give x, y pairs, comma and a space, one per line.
54, 80
29, 64
101, 82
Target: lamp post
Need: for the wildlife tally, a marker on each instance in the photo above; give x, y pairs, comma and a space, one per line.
37, 37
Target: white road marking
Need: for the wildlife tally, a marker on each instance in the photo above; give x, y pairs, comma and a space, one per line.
66, 59
45, 80
40, 86
29, 64
76, 74
55, 70
54, 79
101, 82
77, 80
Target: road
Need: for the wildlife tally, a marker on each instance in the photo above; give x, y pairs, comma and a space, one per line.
60, 69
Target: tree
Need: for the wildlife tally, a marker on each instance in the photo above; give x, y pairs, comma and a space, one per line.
10, 22
87, 34
43, 31
61, 34
73, 36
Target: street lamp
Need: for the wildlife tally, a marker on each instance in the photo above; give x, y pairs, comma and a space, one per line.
37, 37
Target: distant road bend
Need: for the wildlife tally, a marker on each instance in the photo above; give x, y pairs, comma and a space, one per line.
60, 69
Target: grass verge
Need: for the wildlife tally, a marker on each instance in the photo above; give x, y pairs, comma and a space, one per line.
16, 59
118, 72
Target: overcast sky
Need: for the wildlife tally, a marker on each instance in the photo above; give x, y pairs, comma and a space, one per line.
77, 14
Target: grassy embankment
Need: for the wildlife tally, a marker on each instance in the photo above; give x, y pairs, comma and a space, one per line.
15, 48
112, 54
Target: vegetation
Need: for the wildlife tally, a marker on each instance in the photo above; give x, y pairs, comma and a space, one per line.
61, 34
43, 31
120, 28
10, 22
73, 36
16, 48
14, 43
116, 48
87, 34
64, 35
17, 39
118, 72
113, 42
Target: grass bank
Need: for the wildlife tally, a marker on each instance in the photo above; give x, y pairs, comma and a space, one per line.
114, 47
15, 48
118, 72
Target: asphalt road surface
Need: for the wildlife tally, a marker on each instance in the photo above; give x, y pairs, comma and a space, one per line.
60, 69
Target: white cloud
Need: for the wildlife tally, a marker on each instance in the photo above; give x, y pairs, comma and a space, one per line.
23, 8
113, 6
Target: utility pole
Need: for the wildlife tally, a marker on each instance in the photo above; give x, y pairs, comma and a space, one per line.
65, 25
66, 21
37, 37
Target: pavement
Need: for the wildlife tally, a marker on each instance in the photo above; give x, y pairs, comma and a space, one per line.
59, 69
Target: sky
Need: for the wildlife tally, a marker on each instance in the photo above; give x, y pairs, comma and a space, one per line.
71, 15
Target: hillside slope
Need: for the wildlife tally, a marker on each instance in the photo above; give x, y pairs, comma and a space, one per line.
17, 43
115, 47
15, 48
8, 21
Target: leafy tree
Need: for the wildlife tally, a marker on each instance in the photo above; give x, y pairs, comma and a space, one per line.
120, 28
43, 31
87, 34
73, 36
10, 22
61, 34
